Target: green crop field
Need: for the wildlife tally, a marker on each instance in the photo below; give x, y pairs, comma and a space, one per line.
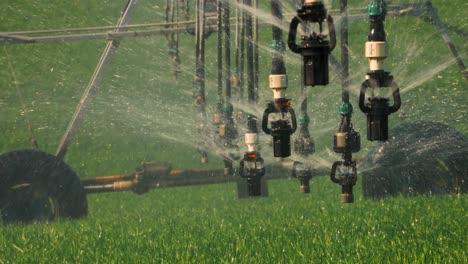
142, 113
210, 225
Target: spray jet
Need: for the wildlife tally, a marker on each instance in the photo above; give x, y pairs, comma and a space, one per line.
377, 108
314, 47
252, 165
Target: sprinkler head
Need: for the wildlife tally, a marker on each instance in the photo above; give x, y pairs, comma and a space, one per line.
315, 47
203, 154
304, 174
347, 178
282, 120
346, 139
304, 144
315, 52
252, 168
378, 109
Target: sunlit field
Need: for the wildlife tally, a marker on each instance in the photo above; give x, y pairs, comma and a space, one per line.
142, 113
210, 224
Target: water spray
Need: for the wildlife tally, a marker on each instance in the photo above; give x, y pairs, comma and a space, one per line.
279, 114
314, 47
252, 165
377, 108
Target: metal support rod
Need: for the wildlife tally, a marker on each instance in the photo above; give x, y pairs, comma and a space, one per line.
227, 50
239, 49
93, 84
242, 53
344, 51
448, 41
250, 56
346, 122
9, 39
199, 79
256, 56
19, 37
220, 50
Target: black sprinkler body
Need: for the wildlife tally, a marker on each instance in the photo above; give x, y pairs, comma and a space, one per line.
281, 129
314, 48
377, 108
252, 168
344, 173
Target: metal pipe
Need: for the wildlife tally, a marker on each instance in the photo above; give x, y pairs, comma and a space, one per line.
242, 53
100, 180
227, 50
448, 41
17, 37
165, 24
255, 52
199, 79
9, 39
250, 56
220, 51
344, 51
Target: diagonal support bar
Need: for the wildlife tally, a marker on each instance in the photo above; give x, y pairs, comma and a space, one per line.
94, 83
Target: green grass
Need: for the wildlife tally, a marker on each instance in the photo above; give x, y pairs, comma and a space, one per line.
139, 105
208, 224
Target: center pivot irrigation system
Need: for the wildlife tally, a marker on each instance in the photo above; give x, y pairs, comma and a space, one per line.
38, 186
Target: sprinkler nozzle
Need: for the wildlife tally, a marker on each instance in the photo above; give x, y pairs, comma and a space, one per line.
304, 174
304, 144
347, 177
252, 168
346, 139
282, 119
378, 109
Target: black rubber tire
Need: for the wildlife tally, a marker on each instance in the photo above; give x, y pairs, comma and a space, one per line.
31, 178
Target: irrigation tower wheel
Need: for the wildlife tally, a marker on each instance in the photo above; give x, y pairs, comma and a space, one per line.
36, 186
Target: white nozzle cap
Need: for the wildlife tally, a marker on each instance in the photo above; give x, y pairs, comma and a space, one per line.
376, 52
278, 84
251, 140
